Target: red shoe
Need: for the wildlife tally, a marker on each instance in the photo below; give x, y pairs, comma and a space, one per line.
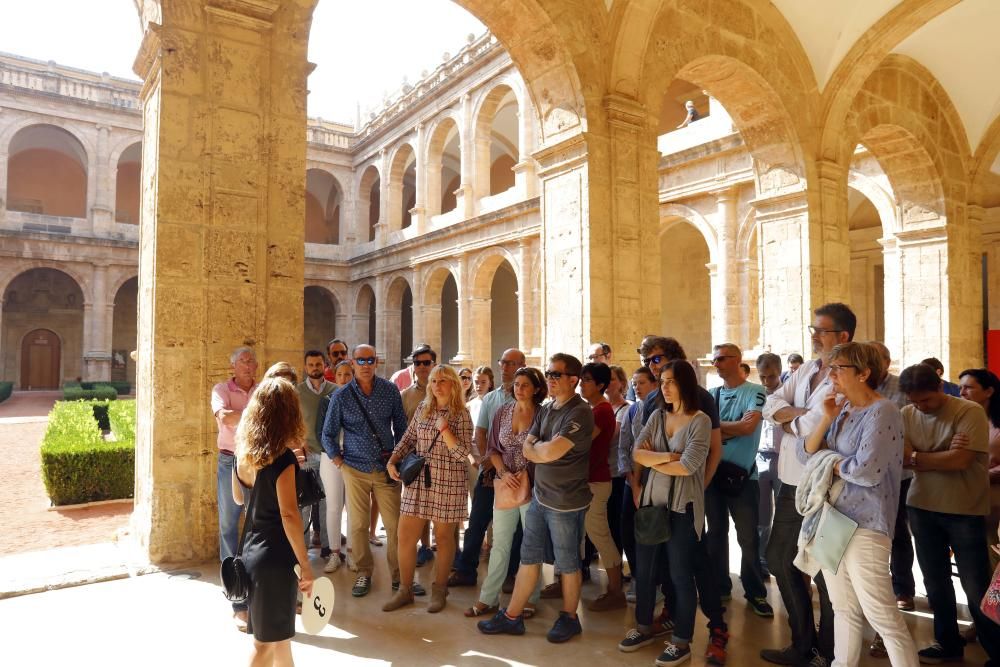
715, 654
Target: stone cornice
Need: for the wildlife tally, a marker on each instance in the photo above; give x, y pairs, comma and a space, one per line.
561, 157
249, 14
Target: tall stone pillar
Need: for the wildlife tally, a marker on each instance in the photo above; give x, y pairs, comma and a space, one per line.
382, 228
467, 194
893, 300
418, 214
103, 208
417, 293
526, 309
221, 249
525, 177
727, 310
3, 182
97, 316
599, 220
466, 314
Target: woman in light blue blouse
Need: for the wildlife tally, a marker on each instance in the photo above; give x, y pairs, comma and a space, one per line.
867, 430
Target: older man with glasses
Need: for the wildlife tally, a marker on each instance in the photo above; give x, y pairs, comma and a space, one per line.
336, 351
369, 412
600, 353
467, 562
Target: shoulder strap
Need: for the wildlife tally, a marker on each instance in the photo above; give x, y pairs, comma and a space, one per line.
364, 413
248, 521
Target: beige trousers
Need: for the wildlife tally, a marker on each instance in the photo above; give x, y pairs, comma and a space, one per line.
596, 524
359, 488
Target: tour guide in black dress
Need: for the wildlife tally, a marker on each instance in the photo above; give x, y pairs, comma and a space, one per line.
271, 423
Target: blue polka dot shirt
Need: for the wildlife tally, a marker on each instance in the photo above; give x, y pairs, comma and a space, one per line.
363, 450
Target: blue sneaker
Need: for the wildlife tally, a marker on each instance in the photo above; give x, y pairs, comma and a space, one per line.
424, 556
501, 625
565, 628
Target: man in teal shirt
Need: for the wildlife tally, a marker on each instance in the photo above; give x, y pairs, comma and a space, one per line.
734, 489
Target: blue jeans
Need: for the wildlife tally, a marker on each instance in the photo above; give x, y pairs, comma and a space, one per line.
562, 530
467, 562
744, 509
229, 512
767, 479
935, 533
312, 463
676, 559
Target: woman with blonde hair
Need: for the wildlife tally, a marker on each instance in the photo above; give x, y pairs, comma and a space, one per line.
441, 432
265, 466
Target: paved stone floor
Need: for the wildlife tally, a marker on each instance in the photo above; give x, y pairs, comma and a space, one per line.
180, 617
26, 522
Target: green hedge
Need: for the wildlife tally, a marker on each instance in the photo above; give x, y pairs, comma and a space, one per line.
5, 390
120, 387
75, 391
78, 466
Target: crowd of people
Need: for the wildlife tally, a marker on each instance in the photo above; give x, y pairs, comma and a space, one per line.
834, 472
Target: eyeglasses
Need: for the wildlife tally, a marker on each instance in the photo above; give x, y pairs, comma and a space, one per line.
595, 357
365, 361
816, 331
836, 368
465, 378
338, 353
423, 362
723, 356
556, 375
586, 380
507, 362
655, 359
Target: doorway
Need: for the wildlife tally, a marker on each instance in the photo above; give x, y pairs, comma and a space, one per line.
40, 360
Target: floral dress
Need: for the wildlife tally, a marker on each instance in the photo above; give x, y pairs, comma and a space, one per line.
446, 499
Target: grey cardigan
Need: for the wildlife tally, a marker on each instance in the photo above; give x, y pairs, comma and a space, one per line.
692, 442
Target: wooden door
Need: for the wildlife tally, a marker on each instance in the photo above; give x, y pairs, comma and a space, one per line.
40, 360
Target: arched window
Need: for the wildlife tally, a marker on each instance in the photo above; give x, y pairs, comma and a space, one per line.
47, 172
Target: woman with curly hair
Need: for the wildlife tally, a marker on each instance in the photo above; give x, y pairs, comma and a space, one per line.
440, 432
270, 427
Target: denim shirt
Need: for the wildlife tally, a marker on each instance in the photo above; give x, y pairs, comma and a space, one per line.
360, 449
871, 441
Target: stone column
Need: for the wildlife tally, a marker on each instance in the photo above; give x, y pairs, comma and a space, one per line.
466, 196
382, 228
103, 208
386, 327
525, 177
727, 310
599, 224
3, 182
221, 249
466, 314
893, 299
418, 214
526, 310
97, 317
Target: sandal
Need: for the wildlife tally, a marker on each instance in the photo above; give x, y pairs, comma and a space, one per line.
528, 612
375, 542
477, 610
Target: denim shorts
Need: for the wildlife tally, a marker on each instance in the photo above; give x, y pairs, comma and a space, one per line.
562, 530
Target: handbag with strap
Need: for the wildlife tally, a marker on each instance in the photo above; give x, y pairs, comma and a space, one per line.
309, 486
652, 522
232, 572
833, 532
413, 463
506, 498
990, 604
729, 478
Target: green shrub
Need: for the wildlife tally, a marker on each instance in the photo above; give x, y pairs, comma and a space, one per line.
100, 392
5, 390
78, 466
120, 387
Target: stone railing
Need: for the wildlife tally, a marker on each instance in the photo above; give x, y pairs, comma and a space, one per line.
328, 136
20, 221
56, 80
410, 95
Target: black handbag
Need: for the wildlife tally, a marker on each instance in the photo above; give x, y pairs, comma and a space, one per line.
652, 522
729, 478
413, 463
309, 487
233, 573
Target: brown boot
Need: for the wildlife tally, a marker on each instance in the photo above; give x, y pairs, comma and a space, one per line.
401, 598
439, 596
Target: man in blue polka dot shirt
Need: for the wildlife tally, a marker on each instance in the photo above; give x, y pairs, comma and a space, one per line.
369, 414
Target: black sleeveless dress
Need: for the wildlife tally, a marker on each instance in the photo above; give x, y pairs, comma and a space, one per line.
269, 559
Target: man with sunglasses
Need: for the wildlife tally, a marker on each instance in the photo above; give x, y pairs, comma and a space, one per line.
797, 407
369, 413
481, 514
558, 443
336, 351
422, 359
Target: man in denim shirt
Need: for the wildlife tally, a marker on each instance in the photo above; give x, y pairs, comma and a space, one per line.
370, 413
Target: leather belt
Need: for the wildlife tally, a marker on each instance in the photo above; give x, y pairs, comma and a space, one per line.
226, 451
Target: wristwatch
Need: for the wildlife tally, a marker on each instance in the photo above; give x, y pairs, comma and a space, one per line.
913, 459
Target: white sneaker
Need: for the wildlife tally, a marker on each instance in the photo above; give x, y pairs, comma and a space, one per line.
333, 564
351, 565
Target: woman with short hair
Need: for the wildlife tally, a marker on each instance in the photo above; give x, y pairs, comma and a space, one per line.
265, 468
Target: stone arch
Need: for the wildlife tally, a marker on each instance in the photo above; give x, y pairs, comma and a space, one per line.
496, 151
39, 155
495, 290
402, 186
48, 298
124, 329
365, 315
324, 207
883, 200
686, 266
444, 145
128, 166
322, 310
71, 270
369, 203
904, 117
671, 213
399, 314
440, 318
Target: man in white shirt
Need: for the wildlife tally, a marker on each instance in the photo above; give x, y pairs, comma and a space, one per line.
798, 407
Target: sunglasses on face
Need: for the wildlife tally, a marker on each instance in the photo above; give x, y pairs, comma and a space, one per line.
466, 378
423, 362
338, 354
365, 361
655, 359
556, 375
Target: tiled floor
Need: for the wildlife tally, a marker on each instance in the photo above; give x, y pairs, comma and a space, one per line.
173, 619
